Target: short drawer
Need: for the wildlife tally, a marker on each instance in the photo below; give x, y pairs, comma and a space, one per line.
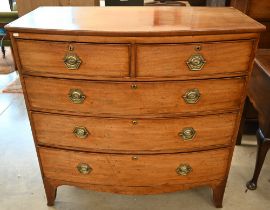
76, 60
193, 60
133, 99
131, 170
134, 135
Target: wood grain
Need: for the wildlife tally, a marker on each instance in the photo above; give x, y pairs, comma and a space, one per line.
241, 5
136, 21
134, 190
122, 136
169, 60
259, 10
136, 39
124, 171
264, 38
228, 44
25, 6
105, 60
119, 99
260, 81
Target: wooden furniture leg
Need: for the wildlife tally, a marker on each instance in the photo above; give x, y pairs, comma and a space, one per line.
3, 51
218, 193
258, 93
50, 191
263, 147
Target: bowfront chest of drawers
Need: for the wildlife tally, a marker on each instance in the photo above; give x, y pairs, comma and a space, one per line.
134, 100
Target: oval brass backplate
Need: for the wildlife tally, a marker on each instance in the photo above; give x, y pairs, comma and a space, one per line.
84, 168
183, 169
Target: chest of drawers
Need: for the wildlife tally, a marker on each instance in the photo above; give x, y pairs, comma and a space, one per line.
146, 102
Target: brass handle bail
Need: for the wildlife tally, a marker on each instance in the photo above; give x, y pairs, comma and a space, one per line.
81, 132
76, 96
71, 59
84, 168
187, 134
196, 62
192, 96
183, 169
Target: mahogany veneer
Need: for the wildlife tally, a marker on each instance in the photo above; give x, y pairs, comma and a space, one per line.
148, 99
135, 100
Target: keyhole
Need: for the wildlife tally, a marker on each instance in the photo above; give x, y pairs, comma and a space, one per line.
70, 48
198, 48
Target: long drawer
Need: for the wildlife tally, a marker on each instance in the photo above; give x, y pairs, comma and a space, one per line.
63, 59
193, 60
134, 135
130, 170
134, 99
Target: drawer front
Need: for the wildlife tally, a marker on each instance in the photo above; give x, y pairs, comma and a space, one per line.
122, 135
170, 60
127, 99
57, 59
130, 170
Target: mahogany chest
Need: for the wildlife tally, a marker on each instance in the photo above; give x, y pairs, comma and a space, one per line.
134, 100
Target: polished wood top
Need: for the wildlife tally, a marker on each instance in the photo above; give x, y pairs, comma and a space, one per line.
135, 21
263, 60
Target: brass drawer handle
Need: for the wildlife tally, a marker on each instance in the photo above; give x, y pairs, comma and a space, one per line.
192, 96
196, 62
183, 169
134, 122
84, 168
81, 132
72, 60
187, 134
76, 96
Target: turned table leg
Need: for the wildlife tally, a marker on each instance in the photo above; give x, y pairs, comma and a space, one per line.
50, 191
218, 193
3, 51
263, 147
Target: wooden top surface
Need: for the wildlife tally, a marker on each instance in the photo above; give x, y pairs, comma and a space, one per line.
135, 21
263, 60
